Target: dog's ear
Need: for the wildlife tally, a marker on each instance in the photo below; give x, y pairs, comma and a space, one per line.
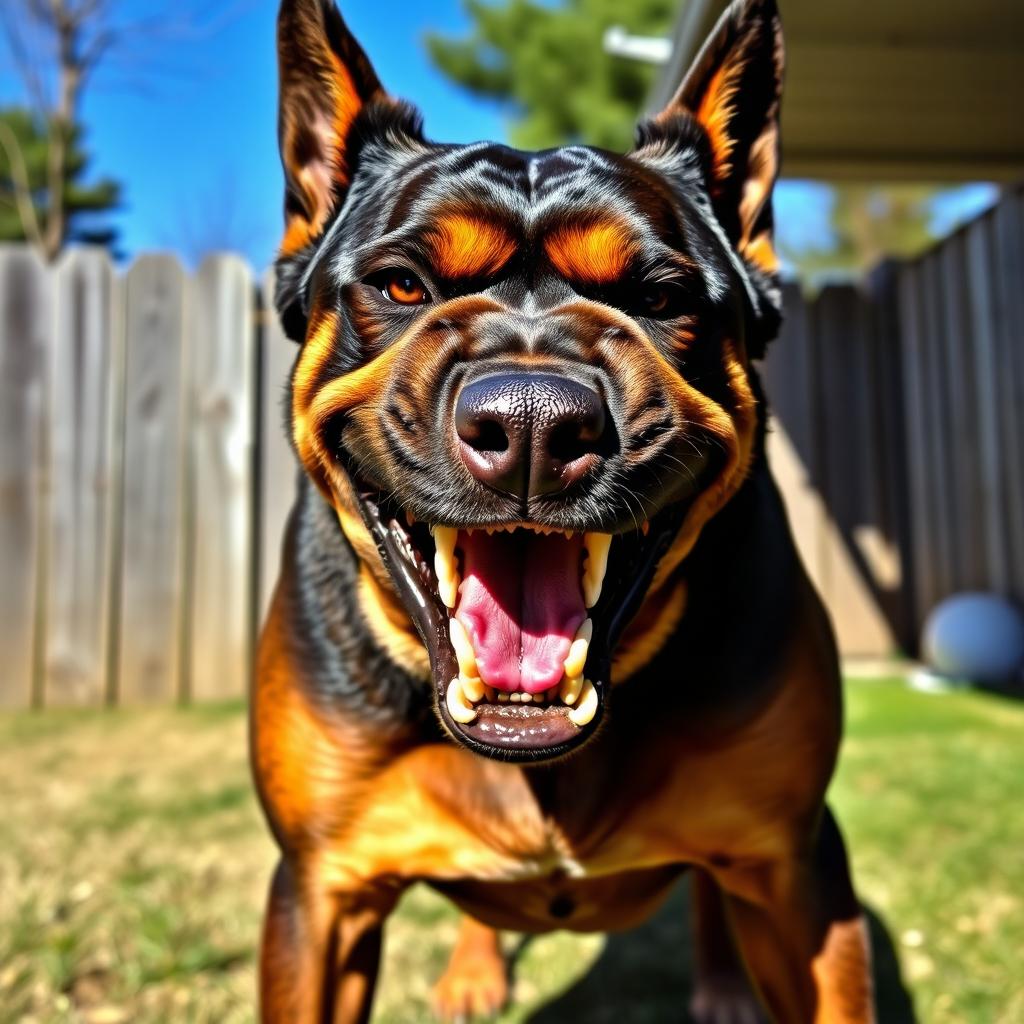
325, 80
732, 91
325, 83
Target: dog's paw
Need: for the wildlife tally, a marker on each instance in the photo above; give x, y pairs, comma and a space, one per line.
471, 986
725, 999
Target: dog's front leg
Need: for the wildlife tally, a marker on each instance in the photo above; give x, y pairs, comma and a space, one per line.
803, 935
320, 950
721, 989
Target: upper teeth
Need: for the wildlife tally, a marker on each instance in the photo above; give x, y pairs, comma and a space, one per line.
445, 567
464, 653
596, 546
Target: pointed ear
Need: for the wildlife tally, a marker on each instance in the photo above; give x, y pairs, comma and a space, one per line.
325, 80
733, 92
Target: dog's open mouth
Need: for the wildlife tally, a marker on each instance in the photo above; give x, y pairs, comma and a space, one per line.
519, 621
519, 599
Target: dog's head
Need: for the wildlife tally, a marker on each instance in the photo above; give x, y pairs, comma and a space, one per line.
524, 381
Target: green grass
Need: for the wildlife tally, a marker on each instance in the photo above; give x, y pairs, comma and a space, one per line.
133, 864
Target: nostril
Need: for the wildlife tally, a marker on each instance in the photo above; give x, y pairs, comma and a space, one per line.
485, 435
568, 442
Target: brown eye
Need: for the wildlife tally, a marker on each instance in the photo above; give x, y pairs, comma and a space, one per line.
655, 300
404, 288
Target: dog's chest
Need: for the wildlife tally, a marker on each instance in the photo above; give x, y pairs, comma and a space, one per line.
445, 815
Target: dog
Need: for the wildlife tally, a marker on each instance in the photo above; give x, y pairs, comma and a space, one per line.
541, 637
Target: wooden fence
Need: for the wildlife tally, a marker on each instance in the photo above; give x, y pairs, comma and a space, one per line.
145, 475
899, 441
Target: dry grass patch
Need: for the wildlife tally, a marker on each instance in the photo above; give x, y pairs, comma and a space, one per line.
133, 866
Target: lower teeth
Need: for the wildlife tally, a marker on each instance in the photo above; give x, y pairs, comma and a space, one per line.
465, 692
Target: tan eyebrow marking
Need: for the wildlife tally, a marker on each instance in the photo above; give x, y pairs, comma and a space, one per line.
465, 245
598, 252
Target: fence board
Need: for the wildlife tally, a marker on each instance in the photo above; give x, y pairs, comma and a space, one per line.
938, 439
980, 274
220, 522
277, 464
793, 437
151, 592
922, 510
960, 417
1008, 285
847, 476
894, 561
85, 365
25, 318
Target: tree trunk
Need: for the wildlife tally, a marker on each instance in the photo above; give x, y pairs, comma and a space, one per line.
61, 125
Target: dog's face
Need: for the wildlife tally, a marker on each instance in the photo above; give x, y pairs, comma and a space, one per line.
524, 381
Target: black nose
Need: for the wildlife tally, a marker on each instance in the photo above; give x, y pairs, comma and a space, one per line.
528, 434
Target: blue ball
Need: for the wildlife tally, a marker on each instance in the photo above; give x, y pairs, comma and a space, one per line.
979, 637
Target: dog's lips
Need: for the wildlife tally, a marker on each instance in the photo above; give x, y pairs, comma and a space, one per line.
500, 645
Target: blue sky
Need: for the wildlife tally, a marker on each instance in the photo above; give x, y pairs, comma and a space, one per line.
186, 122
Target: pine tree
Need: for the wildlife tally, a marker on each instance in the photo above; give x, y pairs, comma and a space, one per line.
24, 160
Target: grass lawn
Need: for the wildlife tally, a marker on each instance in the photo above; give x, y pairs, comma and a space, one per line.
133, 864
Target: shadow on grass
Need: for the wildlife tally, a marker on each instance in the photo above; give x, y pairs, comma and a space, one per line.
644, 976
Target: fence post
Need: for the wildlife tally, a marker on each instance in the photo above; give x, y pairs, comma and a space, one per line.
85, 368
151, 596
221, 427
26, 328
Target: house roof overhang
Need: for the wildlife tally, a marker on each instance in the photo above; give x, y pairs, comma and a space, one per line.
887, 90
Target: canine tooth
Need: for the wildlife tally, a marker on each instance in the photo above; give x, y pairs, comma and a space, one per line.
445, 566
459, 706
464, 653
448, 589
577, 656
596, 546
587, 706
472, 687
570, 688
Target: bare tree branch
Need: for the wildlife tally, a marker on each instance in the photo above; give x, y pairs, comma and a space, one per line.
26, 67
60, 44
22, 191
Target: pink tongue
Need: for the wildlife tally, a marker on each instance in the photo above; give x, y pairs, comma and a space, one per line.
521, 603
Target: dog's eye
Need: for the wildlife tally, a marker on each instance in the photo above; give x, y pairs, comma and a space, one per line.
403, 287
658, 300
